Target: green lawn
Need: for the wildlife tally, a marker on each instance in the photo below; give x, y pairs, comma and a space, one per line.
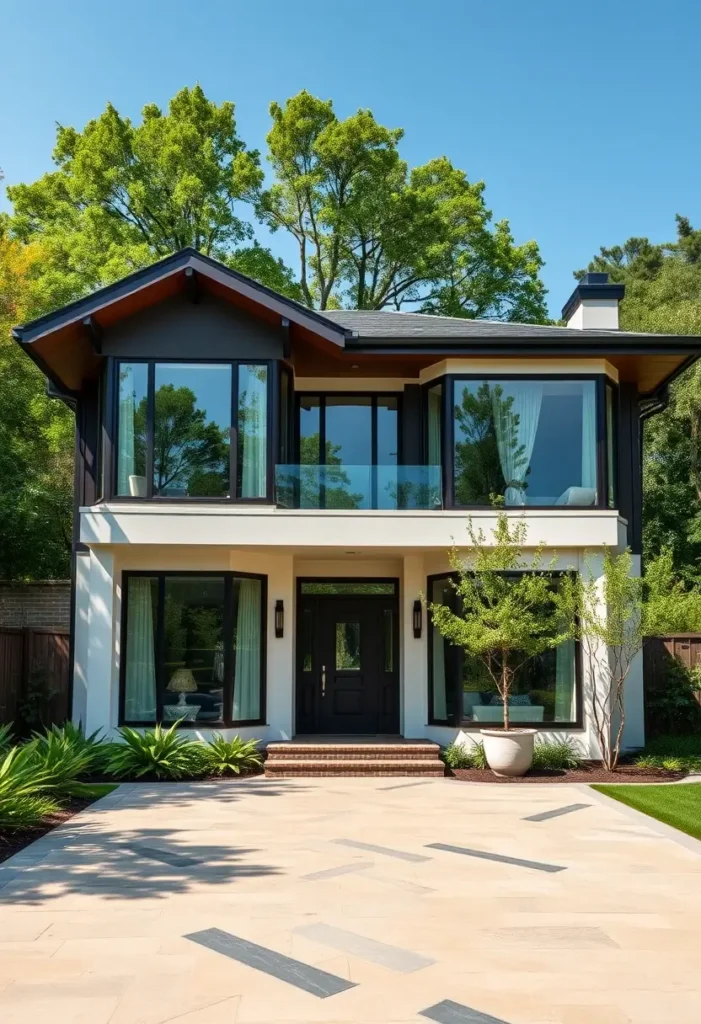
679, 806
92, 790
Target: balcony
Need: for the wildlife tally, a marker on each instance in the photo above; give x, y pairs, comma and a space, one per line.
390, 488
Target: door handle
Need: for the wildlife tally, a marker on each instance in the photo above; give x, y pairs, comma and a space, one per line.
323, 680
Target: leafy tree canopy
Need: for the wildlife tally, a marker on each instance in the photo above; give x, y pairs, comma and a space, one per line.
372, 234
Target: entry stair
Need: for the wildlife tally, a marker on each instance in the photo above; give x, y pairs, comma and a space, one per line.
350, 757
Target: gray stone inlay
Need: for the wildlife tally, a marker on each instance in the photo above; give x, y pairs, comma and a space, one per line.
404, 785
342, 869
415, 858
500, 858
396, 959
310, 979
175, 860
448, 1012
544, 815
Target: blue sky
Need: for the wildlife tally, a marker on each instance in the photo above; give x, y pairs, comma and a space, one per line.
582, 119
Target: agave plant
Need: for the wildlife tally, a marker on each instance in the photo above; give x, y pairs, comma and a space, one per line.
234, 755
6, 737
62, 756
23, 804
164, 753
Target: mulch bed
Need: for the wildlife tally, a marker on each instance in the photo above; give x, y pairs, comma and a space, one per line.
588, 772
12, 840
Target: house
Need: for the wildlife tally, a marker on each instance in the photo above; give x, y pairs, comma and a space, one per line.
264, 493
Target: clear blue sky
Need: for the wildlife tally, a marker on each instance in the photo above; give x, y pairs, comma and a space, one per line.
582, 119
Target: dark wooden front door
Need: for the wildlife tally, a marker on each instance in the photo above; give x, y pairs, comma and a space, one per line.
347, 665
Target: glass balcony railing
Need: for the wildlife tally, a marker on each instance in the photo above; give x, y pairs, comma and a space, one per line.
358, 487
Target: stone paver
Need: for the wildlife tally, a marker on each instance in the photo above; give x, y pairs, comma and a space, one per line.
95, 917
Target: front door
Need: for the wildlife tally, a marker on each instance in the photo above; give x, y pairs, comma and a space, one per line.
347, 679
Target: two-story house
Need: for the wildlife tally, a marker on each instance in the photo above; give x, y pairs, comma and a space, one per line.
264, 494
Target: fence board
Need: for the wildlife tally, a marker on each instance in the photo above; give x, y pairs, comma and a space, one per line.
30, 652
658, 654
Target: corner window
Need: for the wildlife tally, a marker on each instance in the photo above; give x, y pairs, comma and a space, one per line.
462, 692
174, 430
532, 441
610, 447
194, 648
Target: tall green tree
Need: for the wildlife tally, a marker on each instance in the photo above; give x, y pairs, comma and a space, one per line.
371, 234
663, 295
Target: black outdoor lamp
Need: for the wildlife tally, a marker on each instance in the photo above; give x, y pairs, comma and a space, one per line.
279, 619
417, 620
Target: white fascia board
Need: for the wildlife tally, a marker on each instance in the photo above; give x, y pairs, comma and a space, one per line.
270, 527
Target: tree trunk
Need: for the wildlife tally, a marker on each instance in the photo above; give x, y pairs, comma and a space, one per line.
505, 691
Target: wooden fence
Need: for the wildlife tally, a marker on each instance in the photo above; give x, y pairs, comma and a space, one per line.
32, 660
659, 653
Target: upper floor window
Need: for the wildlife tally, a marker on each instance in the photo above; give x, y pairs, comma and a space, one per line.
534, 442
192, 430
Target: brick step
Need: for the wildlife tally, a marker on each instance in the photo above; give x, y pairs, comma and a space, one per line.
339, 753
281, 767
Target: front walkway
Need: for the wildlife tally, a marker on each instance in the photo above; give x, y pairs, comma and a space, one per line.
351, 900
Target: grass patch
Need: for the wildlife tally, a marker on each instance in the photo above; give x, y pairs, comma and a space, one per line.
92, 790
678, 806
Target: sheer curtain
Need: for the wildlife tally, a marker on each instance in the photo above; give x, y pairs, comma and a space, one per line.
248, 642
565, 705
126, 456
434, 427
253, 424
589, 434
140, 682
516, 425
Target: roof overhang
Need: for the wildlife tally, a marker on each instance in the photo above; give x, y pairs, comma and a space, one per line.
65, 344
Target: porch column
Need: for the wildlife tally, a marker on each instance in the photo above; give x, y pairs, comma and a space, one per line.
100, 644
280, 703
413, 696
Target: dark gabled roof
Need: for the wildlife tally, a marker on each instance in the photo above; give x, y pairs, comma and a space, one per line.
366, 324
179, 261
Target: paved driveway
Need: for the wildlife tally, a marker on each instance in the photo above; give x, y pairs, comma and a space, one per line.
351, 900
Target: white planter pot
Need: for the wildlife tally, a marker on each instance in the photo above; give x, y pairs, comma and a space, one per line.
509, 753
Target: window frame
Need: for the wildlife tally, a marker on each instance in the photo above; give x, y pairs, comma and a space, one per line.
457, 720
448, 429
112, 431
227, 722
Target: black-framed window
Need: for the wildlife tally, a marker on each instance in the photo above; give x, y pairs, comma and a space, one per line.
537, 441
546, 691
611, 461
194, 648
193, 430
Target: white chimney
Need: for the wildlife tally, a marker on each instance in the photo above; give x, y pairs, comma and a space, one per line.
593, 305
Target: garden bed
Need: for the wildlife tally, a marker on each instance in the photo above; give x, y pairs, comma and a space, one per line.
589, 771
12, 840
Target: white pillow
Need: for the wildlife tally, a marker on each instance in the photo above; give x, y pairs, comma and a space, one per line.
577, 496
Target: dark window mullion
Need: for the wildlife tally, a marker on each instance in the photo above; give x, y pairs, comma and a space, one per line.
150, 428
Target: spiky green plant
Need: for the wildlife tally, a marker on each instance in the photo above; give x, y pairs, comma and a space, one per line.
163, 753
556, 755
6, 737
234, 755
23, 804
463, 755
62, 758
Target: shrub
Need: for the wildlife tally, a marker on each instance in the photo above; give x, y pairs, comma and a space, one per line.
61, 757
673, 707
233, 755
673, 753
164, 753
555, 755
459, 755
22, 802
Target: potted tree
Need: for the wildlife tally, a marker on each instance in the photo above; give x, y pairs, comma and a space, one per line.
506, 612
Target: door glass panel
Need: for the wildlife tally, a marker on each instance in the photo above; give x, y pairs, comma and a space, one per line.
194, 648
192, 430
388, 635
253, 431
347, 646
306, 639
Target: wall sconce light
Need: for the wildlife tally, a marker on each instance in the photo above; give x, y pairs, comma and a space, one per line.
417, 620
279, 619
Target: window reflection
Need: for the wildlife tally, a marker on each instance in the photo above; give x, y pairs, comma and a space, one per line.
191, 430
193, 626
131, 430
347, 646
253, 431
533, 442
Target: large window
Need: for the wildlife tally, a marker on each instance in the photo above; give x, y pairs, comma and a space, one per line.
194, 648
174, 430
534, 442
545, 690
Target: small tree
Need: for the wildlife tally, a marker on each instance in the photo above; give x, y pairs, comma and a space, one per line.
507, 608
610, 620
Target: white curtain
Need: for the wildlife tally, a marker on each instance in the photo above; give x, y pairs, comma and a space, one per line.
589, 434
248, 638
434, 427
140, 690
126, 461
516, 428
253, 422
565, 707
